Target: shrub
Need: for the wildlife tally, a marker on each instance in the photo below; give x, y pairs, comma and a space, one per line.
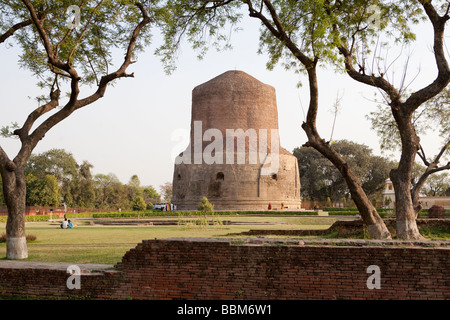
205, 206
126, 214
139, 204
436, 212
38, 218
31, 237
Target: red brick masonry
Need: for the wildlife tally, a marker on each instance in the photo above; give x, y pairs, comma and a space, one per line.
220, 269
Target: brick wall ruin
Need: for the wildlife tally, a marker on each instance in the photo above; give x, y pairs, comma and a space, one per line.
220, 269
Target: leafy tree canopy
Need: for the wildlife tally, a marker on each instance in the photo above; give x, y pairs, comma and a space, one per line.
321, 180
317, 28
88, 47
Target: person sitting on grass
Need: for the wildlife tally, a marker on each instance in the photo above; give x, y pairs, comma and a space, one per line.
64, 224
70, 226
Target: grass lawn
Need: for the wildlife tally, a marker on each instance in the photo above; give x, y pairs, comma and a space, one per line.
107, 244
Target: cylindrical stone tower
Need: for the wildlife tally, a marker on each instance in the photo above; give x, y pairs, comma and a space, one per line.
234, 157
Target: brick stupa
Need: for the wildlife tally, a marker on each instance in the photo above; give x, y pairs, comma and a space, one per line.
238, 102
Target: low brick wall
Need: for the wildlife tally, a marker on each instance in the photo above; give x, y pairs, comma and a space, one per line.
213, 269
346, 228
49, 280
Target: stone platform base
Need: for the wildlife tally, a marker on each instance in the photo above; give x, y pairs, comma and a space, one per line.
244, 205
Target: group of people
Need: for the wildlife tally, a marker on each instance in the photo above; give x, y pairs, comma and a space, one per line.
66, 224
269, 207
165, 207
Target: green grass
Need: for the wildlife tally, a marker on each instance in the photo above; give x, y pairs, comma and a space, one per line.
435, 233
103, 244
107, 244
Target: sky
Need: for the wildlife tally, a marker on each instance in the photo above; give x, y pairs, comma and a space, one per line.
133, 128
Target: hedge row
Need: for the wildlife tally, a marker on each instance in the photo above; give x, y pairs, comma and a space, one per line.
79, 215
156, 213
133, 214
38, 218
128, 214
343, 213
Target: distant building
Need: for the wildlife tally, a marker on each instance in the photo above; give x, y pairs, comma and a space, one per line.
427, 202
388, 194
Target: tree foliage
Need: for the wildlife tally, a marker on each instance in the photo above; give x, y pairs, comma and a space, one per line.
55, 178
431, 118
205, 24
205, 207
85, 186
316, 28
59, 164
68, 53
139, 204
150, 195
321, 180
347, 36
437, 185
65, 56
104, 25
166, 192
43, 191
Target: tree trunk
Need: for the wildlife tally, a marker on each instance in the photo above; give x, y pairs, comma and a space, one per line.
375, 225
415, 192
401, 179
405, 213
14, 191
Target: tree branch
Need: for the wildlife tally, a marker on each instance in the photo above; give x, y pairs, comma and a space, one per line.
415, 191
52, 56
14, 28
84, 31
310, 64
5, 162
431, 169
38, 112
371, 80
73, 104
279, 32
441, 153
121, 72
421, 154
443, 77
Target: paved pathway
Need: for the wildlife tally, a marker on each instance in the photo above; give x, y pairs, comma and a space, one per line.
20, 264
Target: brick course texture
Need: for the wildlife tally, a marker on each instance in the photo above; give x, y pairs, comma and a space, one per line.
217, 270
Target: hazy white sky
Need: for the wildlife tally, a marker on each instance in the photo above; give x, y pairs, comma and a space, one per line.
130, 130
